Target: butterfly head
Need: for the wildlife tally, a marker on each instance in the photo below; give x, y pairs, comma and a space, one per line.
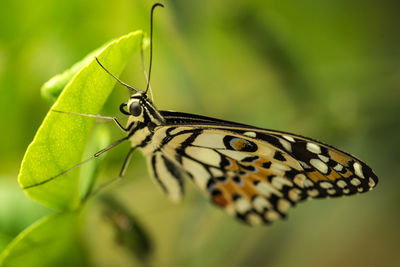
141, 109
134, 107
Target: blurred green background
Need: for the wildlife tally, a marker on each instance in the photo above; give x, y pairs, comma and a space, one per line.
325, 69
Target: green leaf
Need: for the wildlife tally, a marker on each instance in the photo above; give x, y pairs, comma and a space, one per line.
61, 139
51, 241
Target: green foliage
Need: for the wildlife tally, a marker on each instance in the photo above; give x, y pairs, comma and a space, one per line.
43, 244
61, 139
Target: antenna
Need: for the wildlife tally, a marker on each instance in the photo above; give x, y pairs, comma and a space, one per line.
115, 77
151, 41
145, 71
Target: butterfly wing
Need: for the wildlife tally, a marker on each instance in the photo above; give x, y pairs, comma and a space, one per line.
253, 173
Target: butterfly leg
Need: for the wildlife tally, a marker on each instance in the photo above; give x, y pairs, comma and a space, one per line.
120, 176
80, 164
96, 116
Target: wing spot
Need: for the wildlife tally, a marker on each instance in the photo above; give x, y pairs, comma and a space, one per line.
346, 191
283, 205
253, 219
286, 145
323, 158
358, 169
355, 181
239, 144
319, 165
299, 179
289, 138
294, 194
326, 185
261, 203
338, 167
341, 184
271, 215
360, 189
371, 183
242, 205
331, 191
250, 134
312, 192
314, 148
218, 198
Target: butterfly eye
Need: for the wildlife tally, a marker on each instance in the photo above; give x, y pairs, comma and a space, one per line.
135, 109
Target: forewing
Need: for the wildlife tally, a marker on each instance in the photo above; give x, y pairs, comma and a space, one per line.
258, 174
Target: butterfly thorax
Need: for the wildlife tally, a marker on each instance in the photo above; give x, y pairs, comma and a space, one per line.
143, 118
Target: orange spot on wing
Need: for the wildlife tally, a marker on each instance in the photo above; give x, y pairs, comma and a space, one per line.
220, 200
347, 174
333, 175
316, 176
339, 157
239, 144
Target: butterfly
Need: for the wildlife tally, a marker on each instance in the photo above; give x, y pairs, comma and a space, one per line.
252, 173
